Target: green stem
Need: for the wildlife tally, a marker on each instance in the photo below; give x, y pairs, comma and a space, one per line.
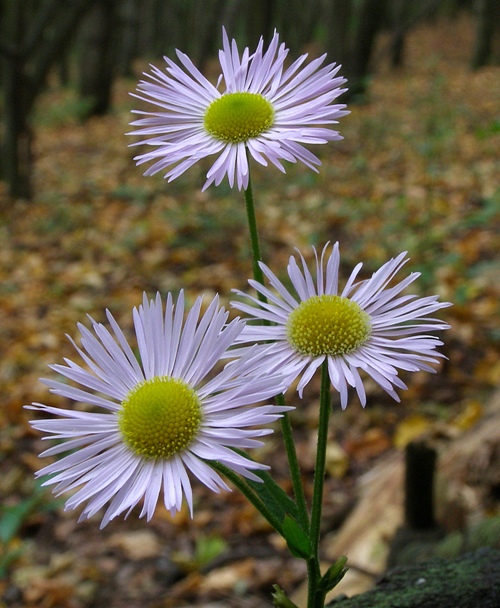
254, 235
249, 494
316, 599
293, 463
286, 426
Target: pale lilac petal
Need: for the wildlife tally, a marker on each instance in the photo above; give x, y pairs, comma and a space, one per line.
302, 97
398, 325
100, 467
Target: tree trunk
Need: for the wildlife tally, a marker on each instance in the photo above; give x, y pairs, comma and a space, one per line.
338, 19
96, 57
230, 16
17, 154
296, 22
205, 20
260, 20
370, 18
487, 21
400, 12
16, 145
128, 18
352, 29
33, 38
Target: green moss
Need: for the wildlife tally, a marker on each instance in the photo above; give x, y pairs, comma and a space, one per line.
470, 581
486, 533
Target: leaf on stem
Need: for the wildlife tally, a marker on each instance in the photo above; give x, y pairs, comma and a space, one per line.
334, 575
297, 539
280, 600
274, 497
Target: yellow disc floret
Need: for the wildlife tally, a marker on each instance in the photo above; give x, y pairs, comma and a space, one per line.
237, 117
160, 417
327, 325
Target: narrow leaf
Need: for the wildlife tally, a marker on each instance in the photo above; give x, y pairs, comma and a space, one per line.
280, 600
297, 540
13, 517
273, 496
334, 574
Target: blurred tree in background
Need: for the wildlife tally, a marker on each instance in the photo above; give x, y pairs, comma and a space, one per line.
92, 42
33, 35
97, 55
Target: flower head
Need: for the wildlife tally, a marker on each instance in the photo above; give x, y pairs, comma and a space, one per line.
161, 416
264, 108
368, 325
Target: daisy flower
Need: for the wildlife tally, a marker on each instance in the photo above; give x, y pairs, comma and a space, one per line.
264, 109
158, 418
368, 325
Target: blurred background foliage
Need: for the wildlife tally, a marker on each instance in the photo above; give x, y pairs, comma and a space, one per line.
90, 43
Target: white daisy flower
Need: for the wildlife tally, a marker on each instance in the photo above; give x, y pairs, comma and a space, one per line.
162, 416
265, 109
367, 326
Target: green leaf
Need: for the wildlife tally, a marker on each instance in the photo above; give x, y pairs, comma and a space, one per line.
274, 497
333, 575
7, 558
297, 540
280, 599
13, 517
208, 548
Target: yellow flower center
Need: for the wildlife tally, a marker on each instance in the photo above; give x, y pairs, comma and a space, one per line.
160, 417
327, 325
237, 117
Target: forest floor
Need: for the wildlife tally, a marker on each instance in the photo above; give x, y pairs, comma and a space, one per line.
418, 170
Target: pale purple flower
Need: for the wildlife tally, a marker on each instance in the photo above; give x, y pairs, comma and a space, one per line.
369, 325
155, 419
263, 108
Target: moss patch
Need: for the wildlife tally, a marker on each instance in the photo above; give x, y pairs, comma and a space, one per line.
470, 581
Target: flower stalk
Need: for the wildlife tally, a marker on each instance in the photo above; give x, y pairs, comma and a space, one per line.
286, 426
315, 596
253, 234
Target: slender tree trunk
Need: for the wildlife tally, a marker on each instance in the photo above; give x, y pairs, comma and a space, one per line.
230, 16
128, 17
206, 22
338, 14
296, 21
352, 29
17, 154
400, 10
96, 57
311, 20
260, 16
370, 19
34, 36
488, 20
16, 145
